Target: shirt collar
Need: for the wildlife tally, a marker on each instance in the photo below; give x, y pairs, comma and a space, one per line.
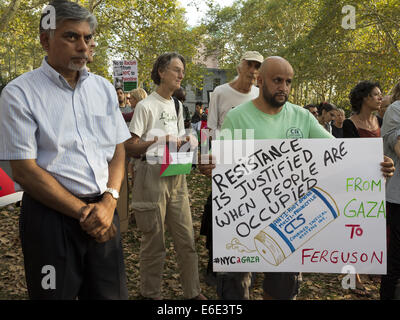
57, 78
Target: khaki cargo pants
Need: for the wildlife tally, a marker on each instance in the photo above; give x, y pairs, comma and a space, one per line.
159, 202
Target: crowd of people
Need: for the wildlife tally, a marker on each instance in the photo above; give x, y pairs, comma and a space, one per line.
72, 140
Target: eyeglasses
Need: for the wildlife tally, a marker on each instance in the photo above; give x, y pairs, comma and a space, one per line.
177, 70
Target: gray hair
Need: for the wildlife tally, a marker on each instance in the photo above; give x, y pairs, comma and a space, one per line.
162, 63
66, 10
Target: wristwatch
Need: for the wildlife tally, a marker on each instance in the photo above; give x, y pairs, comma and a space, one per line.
114, 193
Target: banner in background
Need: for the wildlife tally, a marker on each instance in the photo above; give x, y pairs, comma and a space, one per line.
125, 74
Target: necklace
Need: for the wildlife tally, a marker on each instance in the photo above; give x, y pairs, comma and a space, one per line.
367, 124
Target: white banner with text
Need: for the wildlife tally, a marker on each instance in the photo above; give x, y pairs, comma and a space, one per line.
308, 205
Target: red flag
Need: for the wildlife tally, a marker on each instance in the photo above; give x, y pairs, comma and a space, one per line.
6, 184
167, 159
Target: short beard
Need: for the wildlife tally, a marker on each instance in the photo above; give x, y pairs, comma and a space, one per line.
75, 67
270, 99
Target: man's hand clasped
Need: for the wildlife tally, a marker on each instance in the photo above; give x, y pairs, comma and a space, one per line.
96, 220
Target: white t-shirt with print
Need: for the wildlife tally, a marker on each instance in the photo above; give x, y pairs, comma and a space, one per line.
156, 116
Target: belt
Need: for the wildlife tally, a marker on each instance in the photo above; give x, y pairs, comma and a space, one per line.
93, 199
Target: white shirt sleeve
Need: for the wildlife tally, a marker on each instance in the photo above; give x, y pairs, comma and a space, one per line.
212, 118
18, 126
391, 125
138, 122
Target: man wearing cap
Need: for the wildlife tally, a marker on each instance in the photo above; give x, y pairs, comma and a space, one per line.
222, 99
241, 89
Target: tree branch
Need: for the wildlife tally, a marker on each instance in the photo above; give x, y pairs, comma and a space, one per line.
9, 14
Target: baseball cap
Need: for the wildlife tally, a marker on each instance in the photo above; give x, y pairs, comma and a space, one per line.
253, 56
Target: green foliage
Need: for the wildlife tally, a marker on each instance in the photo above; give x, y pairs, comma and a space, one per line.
328, 59
132, 29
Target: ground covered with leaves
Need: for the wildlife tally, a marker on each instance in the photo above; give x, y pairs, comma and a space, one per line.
315, 286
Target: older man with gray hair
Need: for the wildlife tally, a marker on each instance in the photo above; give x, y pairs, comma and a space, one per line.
239, 90
162, 201
64, 135
224, 98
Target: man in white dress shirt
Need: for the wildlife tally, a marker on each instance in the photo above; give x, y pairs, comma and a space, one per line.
63, 133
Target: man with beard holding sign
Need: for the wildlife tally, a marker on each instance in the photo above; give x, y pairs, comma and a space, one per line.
271, 116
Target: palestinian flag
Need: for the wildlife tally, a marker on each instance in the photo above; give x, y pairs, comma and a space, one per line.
175, 163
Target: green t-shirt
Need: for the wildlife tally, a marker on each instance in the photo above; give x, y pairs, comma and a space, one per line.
292, 122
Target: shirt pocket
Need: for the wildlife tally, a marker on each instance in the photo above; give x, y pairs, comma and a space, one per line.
100, 105
104, 130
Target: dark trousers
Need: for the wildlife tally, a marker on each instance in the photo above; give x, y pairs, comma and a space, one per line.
206, 230
392, 278
63, 262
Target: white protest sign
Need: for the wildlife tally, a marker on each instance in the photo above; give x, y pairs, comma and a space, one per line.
125, 74
308, 205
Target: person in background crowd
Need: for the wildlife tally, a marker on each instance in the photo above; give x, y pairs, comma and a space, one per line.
69, 166
386, 101
133, 97
127, 98
180, 94
224, 98
337, 126
196, 118
365, 99
203, 124
123, 201
197, 112
390, 283
326, 114
136, 95
124, 105
162, 201
241, 89
313, 109
92, 46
